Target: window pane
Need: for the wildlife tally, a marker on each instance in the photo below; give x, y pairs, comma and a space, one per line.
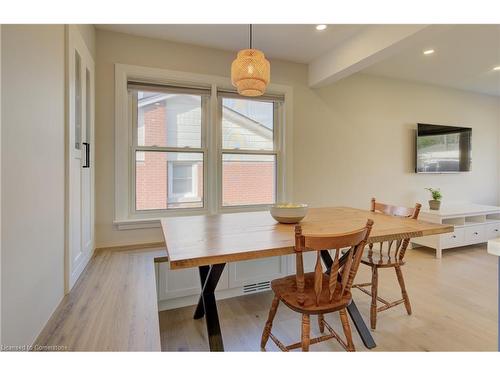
247, 124
248, 179
182, 177
181, 186
168, 120
182, 171
78, 101
166, 180
88, 112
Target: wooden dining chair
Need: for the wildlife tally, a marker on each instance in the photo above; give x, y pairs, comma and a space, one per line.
388, 254
318, 293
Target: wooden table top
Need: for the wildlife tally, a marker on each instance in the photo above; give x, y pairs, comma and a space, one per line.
193, 241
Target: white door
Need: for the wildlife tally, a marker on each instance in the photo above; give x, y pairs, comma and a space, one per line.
88, 166
80, 213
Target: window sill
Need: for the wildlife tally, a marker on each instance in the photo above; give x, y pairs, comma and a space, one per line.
152, 220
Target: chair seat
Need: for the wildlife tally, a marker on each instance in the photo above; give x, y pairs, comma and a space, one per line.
380, 261
286, 289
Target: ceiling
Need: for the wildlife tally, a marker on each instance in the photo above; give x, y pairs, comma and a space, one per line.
464, 58
297, 43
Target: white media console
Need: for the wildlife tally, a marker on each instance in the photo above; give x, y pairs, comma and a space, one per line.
473, 224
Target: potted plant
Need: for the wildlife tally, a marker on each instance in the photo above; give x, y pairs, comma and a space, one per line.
435, 203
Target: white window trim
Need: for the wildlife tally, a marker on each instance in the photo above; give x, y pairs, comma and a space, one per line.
125, 217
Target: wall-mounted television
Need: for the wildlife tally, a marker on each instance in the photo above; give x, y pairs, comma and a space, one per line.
442, 149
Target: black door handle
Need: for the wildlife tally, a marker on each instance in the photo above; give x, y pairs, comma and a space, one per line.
87, 155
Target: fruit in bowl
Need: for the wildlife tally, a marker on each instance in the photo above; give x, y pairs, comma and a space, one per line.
288, 213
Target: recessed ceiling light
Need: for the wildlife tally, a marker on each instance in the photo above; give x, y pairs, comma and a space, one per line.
428, 52
496, 68
321, 27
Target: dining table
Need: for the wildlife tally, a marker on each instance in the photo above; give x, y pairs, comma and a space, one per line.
209, 242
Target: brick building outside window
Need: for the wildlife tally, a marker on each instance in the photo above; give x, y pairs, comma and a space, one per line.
174, 179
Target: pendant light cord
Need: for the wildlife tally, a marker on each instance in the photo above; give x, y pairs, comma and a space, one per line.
250, 36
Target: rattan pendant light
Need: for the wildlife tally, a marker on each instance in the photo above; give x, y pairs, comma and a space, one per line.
250, 71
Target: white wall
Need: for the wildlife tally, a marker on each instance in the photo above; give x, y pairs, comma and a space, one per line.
32, 179
353, 139
359, 143
126, 49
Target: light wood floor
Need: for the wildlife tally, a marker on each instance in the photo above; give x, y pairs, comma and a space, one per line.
112, 307
454, 304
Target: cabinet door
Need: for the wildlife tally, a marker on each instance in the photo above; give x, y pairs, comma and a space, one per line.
475, 234
454, 239
493, 231
256, 271
183, 282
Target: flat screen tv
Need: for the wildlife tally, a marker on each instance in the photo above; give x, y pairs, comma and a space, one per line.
443, 149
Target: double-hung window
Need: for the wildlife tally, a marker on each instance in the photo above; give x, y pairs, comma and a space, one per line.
196, 147
169, 151
250, 144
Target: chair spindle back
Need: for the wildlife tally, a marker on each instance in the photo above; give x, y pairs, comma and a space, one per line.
396, 252
343, 274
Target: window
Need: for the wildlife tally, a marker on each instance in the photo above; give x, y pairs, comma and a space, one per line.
185, 182
249, 150
182, 179
188, 143
168, 146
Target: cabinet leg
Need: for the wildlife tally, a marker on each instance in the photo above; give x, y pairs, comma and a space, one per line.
439, 253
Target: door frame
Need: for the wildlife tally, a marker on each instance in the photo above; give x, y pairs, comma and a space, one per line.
0, 183
74, 41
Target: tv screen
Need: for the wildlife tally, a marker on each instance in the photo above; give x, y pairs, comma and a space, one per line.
443, 149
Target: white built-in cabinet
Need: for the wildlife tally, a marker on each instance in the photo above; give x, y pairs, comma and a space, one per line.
251, 272
472, 224
179, 283
178, 288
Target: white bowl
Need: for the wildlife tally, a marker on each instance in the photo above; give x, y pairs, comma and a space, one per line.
288, 213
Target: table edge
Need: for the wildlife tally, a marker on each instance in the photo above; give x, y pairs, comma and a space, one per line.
287, 250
